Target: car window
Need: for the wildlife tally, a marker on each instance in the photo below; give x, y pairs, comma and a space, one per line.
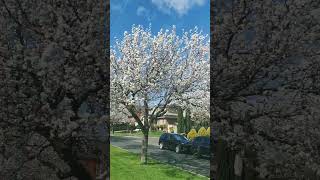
180, 137
164, 136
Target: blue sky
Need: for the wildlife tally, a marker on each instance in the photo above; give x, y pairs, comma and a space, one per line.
185, 14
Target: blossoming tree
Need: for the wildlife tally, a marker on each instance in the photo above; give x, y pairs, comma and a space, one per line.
264, 89
153, 71
52, 87
118, 116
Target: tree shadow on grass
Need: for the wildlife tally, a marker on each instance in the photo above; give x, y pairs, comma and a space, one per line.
119, 139
154, 163
175, 173
172, 172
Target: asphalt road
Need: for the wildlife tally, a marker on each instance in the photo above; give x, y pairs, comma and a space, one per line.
184, 161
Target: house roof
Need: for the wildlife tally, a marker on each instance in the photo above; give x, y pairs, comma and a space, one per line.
169, 116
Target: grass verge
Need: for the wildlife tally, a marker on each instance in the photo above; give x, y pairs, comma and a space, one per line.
126, 165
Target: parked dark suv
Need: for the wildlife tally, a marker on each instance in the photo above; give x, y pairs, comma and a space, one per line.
200, 145
176, 142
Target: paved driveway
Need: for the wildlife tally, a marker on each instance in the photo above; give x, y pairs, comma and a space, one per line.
185, 161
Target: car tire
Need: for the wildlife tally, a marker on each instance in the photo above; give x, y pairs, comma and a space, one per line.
161, 146
178, 149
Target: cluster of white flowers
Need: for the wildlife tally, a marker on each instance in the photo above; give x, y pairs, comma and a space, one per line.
52, 65
263, 84
163, 68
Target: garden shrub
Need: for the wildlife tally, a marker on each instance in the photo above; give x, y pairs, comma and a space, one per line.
208, 131
202, 131
192, 134
171, 129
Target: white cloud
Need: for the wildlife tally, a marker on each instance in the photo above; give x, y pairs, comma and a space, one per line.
119, 6
142, 11
179, 6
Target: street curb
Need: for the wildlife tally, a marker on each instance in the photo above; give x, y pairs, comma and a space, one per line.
127, 136
121, 148
167, 164
134, 136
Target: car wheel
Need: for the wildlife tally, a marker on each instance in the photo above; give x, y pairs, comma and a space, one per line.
178, 149
161, 146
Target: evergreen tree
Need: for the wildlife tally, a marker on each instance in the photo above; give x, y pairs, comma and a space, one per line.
181, 124
188, 122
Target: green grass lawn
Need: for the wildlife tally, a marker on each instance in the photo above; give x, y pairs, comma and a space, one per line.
140, 134
126, 165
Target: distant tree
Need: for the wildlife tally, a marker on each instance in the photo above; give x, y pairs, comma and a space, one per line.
196, 111
187, 121
118, 116
181, 121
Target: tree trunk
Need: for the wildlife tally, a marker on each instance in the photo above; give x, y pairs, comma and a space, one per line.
112, 128
225, 170
181, 124
144, 149
145, 130
230, 164
128, 128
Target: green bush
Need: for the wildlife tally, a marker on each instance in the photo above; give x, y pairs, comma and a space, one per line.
192, 134
208, 131
202, 131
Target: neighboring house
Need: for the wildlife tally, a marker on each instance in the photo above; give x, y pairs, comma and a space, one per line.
168, 122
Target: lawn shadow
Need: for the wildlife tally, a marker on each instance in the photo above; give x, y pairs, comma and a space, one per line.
175, 173
154, 163
171, 172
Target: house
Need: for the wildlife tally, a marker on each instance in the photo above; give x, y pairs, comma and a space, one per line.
168, 121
